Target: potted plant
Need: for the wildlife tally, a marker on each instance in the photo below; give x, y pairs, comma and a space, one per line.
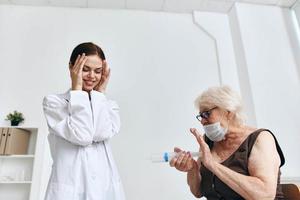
15, 118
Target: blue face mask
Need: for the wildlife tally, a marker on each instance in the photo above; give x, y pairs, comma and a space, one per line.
215, 132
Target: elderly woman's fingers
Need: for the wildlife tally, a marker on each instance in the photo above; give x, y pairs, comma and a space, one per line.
180, 157
203, 146
173, 162
198, 136
175, 158
177, 150
184, 162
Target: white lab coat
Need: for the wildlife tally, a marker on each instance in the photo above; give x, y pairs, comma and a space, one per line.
79, 131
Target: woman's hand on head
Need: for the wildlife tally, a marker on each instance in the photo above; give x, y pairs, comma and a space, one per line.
206, 157
183, 161
76, 72
101, 86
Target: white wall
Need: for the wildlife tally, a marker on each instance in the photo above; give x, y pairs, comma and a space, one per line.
160, 62
297, 11
217, 27
266, 68
294, 30
272, 70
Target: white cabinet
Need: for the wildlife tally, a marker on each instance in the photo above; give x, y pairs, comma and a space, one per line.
17, 170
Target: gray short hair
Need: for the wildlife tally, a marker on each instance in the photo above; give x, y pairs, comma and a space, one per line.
225, 98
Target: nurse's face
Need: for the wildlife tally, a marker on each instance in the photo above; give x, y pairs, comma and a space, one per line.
91, 72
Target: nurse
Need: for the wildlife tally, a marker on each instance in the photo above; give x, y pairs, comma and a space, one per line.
81, 122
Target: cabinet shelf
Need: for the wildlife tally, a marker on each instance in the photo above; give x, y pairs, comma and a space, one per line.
18, 178
17, 156
15, 182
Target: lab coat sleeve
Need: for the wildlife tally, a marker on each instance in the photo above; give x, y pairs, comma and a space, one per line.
71, 120
106, 116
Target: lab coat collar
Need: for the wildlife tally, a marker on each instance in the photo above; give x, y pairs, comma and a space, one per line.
66, 95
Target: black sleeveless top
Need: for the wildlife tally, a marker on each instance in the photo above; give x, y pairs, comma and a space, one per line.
214, 189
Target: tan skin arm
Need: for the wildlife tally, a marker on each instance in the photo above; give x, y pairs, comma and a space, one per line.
185, 163
194, 180
263, 167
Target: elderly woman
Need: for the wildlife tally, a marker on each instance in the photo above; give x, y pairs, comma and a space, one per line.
237, 161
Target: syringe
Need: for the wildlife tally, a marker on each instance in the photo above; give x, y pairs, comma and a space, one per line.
167, 156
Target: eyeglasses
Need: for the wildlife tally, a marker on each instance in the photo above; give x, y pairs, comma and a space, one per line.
205, 114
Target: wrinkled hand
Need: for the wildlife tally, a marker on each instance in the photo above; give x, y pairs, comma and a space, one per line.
206, 157
76, 72
101, 86
183, 161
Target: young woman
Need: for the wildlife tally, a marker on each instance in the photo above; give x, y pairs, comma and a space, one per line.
81, 123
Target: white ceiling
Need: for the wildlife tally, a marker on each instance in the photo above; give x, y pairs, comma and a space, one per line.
152, 5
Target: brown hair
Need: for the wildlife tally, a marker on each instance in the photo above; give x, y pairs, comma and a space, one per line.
88, 48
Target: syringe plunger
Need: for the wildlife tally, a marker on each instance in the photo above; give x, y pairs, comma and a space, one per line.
167, 156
